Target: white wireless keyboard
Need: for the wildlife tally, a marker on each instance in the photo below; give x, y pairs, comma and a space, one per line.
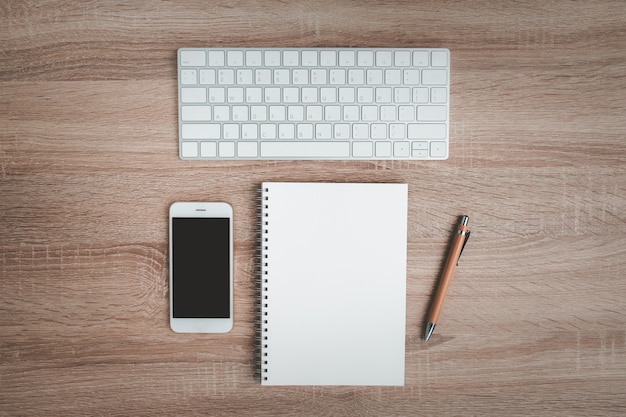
344, 103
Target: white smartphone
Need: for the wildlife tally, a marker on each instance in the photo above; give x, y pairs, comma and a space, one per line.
201, 267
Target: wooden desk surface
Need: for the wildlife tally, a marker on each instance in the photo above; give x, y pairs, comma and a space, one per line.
535, 321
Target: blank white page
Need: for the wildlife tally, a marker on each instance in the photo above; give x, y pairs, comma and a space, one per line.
334, 283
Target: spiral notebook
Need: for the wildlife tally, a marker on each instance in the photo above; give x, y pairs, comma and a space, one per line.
333, 283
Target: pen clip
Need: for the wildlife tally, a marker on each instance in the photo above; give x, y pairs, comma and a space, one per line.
467, 235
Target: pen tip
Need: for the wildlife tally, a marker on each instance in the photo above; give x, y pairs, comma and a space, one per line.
429, 331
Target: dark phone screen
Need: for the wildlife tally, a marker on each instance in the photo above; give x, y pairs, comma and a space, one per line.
201, 267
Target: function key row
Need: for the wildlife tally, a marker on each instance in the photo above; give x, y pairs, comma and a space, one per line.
313, 58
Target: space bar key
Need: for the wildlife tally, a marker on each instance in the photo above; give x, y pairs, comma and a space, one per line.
305, 149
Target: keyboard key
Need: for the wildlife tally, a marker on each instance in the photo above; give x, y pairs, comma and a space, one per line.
309, 95
332, 113
351, 113
193, 95
383, 95
247, 149
221, 113
402, 95
337, 76
286, 131
439, 58
305, 149
268, 131
342, 131
300, 76
249, 131
196, 113
258, 113
397, 131
362, 149
216, 58
235, 58
318, 77
281, 77
328, 95
365, 95
226, 149
360, 131
323, 131
188, 77
263, 76
438, 149
244, 77
379, 131
406, 113
314, 113
388, 113
383, 149
230, 131
374, 76
365, 58
402, 59
426, 131
383, 58
438, 95
346, 95
189, 149
346, 58
235, 95
207, 77
393, 77
208, 149
431, 113
272, 58
253, 58
254, 95
356, 76
200, 131
272, 95
291, 58
216, 95
369, 113
291, 95
411, 77
420, 58
401, 149
420, 95
419, 153
309, 58
295, 113
305, 131
328, 58
192, 58
434, 77
278, 113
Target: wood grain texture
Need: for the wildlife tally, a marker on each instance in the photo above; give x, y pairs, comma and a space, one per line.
535, 319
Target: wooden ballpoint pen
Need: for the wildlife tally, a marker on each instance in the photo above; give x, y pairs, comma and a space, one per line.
458, 243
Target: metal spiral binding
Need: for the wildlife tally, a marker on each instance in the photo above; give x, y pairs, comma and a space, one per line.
261, 342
